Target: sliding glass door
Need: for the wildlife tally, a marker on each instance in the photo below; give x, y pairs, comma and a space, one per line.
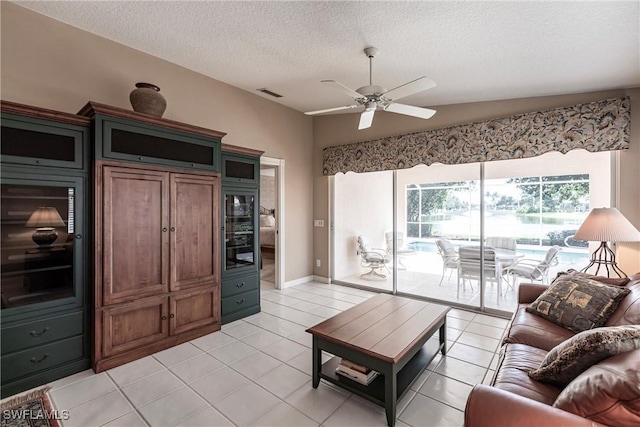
438, 210
467, 234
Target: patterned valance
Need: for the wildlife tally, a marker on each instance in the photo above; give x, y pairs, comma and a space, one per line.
595, 126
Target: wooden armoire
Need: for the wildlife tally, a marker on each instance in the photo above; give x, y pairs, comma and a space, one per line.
156, 232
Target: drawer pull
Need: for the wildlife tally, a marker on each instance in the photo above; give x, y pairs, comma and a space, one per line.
34, 360
240, 301
171, 316
164, 317
36, 334
172, 229
239, 285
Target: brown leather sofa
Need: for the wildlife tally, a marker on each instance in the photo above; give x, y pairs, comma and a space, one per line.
607, 393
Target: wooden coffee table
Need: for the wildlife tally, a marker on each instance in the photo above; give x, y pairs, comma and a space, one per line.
386, 333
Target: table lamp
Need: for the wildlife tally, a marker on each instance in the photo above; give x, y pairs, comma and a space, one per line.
606, 225
44, 220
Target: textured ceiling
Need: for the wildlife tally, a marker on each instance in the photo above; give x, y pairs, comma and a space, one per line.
474, 50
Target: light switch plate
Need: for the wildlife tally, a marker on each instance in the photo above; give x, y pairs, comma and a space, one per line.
318, 223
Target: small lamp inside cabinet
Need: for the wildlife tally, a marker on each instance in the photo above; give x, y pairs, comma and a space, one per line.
44, 220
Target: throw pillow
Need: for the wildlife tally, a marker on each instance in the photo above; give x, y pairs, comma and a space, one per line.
615, 281
578, 303
271, 221
570, 358
607, 393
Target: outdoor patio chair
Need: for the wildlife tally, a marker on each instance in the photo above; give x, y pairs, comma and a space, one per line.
469, 266
449, 257
372, 258
533, 269
506, 243
401, 249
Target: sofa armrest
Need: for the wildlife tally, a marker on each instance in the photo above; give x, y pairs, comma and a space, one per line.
528, 292
489, 407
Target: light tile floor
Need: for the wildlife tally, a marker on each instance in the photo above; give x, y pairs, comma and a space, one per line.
256, 371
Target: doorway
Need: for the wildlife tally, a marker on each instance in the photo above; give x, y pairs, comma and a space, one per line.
271, 220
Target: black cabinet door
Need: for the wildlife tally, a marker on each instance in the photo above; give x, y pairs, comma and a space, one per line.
243, 170
33, 142
121, 139
240, 236
43, 251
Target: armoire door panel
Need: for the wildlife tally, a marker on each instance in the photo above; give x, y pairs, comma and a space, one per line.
194, 309
135, 233
129, 326
194, 230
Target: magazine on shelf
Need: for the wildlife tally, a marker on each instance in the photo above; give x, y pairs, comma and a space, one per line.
355, 375
355, 366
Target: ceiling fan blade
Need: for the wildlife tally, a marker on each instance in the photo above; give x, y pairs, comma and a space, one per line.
366, 118
330, 110
342, 88
410, 110
418, 85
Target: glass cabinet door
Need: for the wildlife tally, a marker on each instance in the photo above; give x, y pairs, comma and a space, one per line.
40, 237
239, 229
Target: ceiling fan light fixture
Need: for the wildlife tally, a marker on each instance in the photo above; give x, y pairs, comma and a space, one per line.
371, 97
371, 106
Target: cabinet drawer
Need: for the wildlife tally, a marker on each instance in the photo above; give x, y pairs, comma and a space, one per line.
240, 285
240, 302
40, 332
40, 358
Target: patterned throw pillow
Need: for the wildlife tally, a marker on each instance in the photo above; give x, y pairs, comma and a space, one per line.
570, 358
578, 303
615, 281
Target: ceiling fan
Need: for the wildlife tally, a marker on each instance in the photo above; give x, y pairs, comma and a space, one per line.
373, 97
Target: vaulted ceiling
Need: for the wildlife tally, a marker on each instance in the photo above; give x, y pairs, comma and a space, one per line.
473, 50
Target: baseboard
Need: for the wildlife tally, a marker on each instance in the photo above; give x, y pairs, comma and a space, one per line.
321, 279
295, 282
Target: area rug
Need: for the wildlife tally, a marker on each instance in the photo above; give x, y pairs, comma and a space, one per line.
33, 409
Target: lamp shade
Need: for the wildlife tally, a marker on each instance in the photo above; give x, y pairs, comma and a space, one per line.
45, 217
607, 225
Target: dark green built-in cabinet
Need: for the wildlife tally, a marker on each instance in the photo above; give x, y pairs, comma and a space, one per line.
63, 178
45, 277
240, 233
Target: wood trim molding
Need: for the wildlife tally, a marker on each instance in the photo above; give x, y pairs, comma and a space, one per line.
92, 108
227, 148
155, 168
43, 113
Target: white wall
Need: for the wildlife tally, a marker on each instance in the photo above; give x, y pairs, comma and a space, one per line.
363, 206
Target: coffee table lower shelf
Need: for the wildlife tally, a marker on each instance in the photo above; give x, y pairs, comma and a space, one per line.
375, 390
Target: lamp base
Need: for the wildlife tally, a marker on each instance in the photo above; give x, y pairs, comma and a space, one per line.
604, 256
45, 236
